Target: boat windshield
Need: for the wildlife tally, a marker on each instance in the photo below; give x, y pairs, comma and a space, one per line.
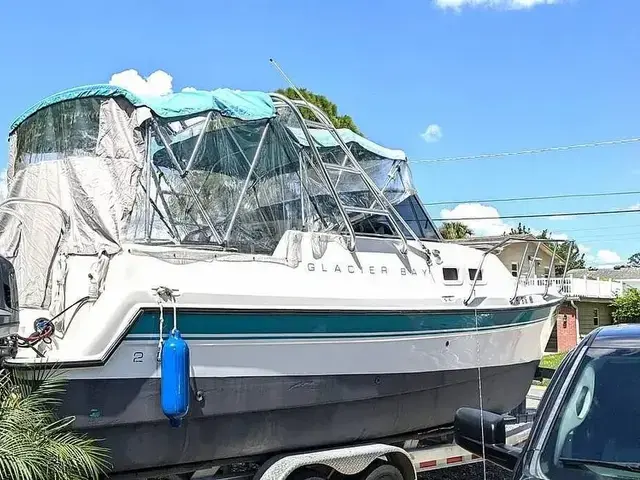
595, 434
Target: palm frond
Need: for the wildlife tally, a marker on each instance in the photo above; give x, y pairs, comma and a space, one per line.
13, 466
41, 385
34, 443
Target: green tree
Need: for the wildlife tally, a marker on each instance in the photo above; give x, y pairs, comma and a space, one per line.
34, 443
520, 230
455, 230
524, 230
626, 307
575, 258
326, 105
634, 260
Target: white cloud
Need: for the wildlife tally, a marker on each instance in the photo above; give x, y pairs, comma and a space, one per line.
558, 236
607, 257
635, 206
433, 133
589, 258
489, 221
584, 248
3, 184
156, 84
491, 226
497, 4
189, 89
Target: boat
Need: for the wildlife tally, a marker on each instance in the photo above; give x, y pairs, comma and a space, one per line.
291, 265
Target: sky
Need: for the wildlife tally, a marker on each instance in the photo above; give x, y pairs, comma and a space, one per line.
435, 78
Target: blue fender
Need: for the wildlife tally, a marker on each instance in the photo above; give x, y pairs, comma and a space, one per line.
174, 378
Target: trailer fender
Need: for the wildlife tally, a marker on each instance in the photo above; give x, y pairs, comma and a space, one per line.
347, 461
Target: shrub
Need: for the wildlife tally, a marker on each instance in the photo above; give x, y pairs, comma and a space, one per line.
34, 443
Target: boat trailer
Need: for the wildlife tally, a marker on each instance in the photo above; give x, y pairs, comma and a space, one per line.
402, 460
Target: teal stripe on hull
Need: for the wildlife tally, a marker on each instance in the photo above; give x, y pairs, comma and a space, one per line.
203, 324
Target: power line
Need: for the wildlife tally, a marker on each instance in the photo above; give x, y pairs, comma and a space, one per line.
540, 215
613, 239
542, 197
603, 227
534, 151
610, 235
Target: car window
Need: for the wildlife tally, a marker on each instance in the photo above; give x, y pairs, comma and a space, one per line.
596, 433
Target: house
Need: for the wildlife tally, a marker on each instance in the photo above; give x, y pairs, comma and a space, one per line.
627, 274
589, 292
594, 313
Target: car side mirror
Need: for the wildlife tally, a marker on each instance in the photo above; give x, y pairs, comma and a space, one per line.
468, 426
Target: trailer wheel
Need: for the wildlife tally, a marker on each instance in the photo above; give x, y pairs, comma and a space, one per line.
381, 472
306, 474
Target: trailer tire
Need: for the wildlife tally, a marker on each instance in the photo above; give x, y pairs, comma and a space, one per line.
306, 474
381, 472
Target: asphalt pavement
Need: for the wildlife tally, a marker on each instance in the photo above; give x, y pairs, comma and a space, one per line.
472, 471
475, 471
535, 395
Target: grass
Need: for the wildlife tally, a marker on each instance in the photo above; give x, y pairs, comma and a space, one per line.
553, 360
542, 383
550, 361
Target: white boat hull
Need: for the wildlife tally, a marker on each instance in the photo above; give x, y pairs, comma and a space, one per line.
251, 396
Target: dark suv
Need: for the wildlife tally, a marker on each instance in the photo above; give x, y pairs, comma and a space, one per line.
588, 423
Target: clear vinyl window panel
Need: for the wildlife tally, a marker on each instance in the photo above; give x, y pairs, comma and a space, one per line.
60, 131
246, 184
242, 184
393, 179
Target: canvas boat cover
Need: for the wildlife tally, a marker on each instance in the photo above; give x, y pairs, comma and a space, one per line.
85, 150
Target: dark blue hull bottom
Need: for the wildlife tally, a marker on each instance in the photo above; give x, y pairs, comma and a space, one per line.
254, 416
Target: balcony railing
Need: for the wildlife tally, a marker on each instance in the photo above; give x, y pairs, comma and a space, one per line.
578, 286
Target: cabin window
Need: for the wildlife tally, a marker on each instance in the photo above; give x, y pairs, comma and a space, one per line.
472, 274
514, 269
596, 316
546, 272
450, 274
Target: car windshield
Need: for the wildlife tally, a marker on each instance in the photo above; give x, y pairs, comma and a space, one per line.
597, 431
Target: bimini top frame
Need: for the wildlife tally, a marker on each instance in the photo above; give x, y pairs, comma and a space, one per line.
381, 206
